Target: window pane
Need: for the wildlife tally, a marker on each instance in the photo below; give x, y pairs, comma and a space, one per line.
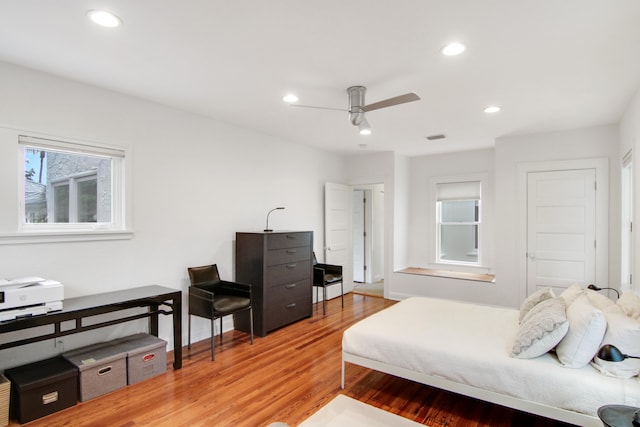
86, 180
61, 203
87, 200
459, 211
459, 243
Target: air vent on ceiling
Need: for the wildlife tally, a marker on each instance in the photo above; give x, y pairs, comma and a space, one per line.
436, 137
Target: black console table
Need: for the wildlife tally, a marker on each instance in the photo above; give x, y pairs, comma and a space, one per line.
79, 308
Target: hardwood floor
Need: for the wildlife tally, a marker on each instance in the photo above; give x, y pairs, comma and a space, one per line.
285, 376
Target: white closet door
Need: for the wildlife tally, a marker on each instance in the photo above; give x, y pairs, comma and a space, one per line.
561, 229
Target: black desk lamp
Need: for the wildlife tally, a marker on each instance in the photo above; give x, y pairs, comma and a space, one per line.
611, 353
597, 289
617, 415
267, 229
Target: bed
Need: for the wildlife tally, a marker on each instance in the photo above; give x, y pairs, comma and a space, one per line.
465, 348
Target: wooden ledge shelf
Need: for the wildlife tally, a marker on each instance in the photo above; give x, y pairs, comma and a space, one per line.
488, 278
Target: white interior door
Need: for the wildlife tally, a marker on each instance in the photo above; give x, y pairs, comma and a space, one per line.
359, 245
561, 229
337, 233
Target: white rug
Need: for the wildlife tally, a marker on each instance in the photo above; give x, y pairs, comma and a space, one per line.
345, 411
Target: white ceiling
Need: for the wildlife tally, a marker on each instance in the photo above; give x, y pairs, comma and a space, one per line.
550, 64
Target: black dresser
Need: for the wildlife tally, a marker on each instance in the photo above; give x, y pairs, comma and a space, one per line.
279, 267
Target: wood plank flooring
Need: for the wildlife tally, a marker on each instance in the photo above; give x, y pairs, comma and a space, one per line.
285, 376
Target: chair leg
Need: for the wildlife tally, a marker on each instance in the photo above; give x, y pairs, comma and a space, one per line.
324, 300
342, 293
221, 330
251, 323
213, 354
189, 329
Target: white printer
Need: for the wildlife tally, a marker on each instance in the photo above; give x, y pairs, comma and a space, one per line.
29, 296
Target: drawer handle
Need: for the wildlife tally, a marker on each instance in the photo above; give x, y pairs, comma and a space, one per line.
291, 265
291, 285
290, 236
104, 370
291, 251
49, 397
291, 306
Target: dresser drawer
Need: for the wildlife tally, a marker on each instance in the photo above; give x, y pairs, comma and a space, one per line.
284, 294
288, 240
288, 255
284, 312
288, 273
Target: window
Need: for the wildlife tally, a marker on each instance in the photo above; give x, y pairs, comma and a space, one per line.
71, 186
458, 222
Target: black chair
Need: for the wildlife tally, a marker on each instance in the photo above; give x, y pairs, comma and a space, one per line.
325, 275
212, 298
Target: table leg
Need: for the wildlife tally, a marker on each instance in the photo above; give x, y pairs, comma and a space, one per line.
177, 331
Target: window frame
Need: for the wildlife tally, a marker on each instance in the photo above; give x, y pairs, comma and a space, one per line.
116, 229
434, 225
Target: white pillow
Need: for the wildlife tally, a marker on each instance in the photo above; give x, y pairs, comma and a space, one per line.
571, 293
541, 329
599, 301
587, 326
629, 302
624, 333
534, 299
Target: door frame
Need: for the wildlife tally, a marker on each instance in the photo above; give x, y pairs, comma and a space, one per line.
601, 166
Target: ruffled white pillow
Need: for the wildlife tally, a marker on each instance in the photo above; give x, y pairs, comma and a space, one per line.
599, 301
541, 329
534, 299
587, 326
571, 293
629, 302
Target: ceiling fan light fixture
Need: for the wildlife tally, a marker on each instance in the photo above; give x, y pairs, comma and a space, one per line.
364, 127
104, 18
290, 98
453, 49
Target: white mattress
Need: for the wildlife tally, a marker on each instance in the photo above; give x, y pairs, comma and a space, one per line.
470, 344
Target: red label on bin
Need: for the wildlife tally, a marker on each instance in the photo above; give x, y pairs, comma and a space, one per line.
148, 357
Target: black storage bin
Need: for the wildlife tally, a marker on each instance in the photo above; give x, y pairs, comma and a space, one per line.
42, 388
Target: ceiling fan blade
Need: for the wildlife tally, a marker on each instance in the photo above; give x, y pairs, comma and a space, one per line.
318, 108
390, 102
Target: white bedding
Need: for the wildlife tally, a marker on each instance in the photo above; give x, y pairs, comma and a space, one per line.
470, 344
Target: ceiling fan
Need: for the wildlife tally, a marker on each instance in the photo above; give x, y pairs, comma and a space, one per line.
357, 107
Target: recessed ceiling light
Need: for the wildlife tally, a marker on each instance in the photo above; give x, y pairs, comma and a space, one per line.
453, 49
104, 19
290, 98
491, 109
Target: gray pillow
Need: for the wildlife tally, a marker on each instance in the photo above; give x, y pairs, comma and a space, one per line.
541, 330
534, 299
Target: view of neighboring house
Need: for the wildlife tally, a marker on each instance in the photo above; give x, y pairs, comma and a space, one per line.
75, 189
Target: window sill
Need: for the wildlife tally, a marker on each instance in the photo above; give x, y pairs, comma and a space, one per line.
488, 278
64, 236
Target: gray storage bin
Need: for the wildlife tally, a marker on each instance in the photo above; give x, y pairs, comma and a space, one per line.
146, 356
103, 369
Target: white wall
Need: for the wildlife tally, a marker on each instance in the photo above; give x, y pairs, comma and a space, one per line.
630, 140
596, 142
501, 164
418, 235
379, 168
195, 182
